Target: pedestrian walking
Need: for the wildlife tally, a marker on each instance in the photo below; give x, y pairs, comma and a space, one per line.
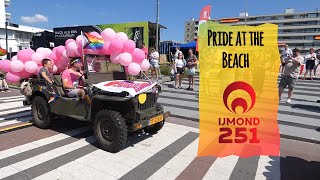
317, 64
291, 73
191, 68
310, 59
3, 84
285, 55
154, 62
179, 66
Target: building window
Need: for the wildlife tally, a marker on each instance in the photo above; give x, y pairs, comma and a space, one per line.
312, 23
309, 37
313, 15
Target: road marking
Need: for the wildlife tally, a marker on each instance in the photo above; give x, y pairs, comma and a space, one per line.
14, 127
150, 166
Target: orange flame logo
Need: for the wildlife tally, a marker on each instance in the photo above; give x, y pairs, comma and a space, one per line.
239, 85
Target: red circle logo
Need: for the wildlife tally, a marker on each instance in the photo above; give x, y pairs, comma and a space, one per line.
239, 85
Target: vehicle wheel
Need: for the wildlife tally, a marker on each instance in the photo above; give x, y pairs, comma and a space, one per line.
110, 130
41, 116
154, 128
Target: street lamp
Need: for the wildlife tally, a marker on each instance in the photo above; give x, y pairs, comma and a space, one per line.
157, 30
6, 29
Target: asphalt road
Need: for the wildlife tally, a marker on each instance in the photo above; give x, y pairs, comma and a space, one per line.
68, 149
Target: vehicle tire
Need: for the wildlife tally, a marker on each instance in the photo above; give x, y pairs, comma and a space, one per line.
41, 116
110, 130
154, 128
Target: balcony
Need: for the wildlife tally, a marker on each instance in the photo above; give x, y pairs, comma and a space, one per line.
8, 16
7, 3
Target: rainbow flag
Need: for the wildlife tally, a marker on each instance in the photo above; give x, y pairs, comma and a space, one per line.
52, 99
3, 52
92, 42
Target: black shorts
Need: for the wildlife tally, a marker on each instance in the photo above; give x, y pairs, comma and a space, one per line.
179, 70
310, 64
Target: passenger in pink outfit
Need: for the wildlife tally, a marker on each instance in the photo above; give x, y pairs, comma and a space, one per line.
72, 79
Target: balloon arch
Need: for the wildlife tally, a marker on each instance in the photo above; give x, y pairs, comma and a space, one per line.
121, 50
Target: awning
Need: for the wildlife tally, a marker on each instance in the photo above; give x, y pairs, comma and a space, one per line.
191, 45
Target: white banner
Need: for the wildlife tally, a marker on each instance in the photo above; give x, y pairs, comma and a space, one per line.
132, 87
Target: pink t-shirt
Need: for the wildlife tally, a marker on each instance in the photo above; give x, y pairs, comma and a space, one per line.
145, 50
72, 78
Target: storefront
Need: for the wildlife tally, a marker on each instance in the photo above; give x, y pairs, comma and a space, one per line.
137, 31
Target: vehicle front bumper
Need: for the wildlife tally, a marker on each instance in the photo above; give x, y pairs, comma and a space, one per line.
145, 123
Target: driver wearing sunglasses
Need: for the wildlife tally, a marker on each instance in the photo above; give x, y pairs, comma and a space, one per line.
73, 80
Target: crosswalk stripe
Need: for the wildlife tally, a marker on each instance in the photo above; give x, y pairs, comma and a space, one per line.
40, 150
12, 100
268, 168
221, 168
138, 151
155, 162
40, 164
11, 97
15, 121
42, 142
177, 164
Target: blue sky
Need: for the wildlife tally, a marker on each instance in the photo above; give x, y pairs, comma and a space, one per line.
173, 13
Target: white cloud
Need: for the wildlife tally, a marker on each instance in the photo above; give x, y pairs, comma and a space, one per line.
37, 18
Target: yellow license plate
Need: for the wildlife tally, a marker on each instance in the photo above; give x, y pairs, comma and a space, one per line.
156, 120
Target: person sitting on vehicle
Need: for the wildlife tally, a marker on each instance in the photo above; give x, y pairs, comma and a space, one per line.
45, 71
97, 66
72, 80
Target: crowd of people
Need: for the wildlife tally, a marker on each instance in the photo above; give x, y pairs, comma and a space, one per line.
292, 63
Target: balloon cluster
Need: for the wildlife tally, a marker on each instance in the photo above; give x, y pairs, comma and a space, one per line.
121, 50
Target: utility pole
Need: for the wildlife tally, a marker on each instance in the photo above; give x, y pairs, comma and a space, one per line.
245, 15
6, 30
157, 30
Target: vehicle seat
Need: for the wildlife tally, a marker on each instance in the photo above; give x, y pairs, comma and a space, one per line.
58, 84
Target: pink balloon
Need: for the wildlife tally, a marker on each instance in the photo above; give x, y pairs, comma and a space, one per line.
116, 45
54, 50
24, 74
31, 67
79, 41
134, 69
126, 70
37, 58
44, 51
25, 55
70, 53
59, 51
108, 34
138, 55
80, 52
53, 57
129, 46
106, 47
125, 59
55, 69
69, 41
5, 65
12, 78
145, 65
93, 33
72, 46
123, 36
65, 55
14, 58
115, 57
16, 66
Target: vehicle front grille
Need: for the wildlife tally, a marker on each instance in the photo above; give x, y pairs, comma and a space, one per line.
150, 102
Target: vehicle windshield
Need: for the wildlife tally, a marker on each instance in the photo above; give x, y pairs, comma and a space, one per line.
102, 64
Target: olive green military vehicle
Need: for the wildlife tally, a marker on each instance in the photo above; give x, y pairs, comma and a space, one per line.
114, 112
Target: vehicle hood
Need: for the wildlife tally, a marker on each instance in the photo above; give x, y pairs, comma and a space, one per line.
132, 87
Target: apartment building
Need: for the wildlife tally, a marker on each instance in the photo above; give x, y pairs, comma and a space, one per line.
297, 29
